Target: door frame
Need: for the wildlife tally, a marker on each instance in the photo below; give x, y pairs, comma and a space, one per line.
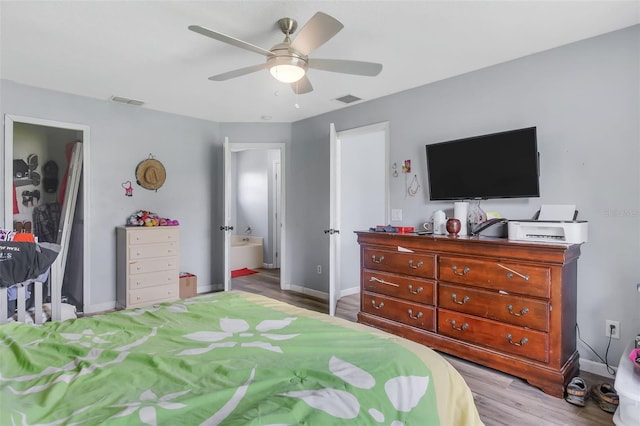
9, 122
335, 209
230, 147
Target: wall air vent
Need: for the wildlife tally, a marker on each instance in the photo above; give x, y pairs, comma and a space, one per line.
347, 99
126, 100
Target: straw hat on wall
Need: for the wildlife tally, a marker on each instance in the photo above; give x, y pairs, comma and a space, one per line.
150, 174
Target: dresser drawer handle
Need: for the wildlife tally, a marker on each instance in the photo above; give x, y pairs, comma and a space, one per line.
464, 300
522, 342
462, 328
373, 303
419, 264
416, 317
465, 271
516, 314
374, 260
416, 291
511, 273
378, 280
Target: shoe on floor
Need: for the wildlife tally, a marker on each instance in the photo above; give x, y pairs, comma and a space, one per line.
577, 391
606, 397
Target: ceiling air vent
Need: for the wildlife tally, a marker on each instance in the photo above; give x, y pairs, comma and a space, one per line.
126, 100
347, 99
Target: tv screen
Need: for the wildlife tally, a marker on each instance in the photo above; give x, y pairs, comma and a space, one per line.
498, 165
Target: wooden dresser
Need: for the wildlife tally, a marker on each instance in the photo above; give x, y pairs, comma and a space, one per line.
504, 304
147, 265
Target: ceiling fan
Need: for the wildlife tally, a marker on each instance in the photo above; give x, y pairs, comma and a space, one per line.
289, 61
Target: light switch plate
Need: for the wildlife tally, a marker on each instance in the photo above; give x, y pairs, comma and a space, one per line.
396, 214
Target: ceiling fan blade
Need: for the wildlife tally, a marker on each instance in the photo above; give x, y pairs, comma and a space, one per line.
370, 69
229, 40
302, 86
316, 32
238, 73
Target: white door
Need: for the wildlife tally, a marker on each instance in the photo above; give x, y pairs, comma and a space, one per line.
226, 226
359, 200
277, 225
334, 227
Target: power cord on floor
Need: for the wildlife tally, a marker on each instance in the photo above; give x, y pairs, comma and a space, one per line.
606, 354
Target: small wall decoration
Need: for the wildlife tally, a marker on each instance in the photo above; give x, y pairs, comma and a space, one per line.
128, 189
406, 167
150, 174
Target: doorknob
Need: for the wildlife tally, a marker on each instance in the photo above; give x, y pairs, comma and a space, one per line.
331, 231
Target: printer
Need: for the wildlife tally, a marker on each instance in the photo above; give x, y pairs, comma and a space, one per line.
553, 223
572, 232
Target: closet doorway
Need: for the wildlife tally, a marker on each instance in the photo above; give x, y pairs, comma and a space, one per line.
37, 154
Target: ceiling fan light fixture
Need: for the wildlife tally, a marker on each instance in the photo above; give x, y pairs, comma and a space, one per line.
287, 69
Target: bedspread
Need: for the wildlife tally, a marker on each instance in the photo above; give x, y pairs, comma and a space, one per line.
226, 358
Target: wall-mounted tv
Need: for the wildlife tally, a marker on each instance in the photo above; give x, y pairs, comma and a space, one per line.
498, 165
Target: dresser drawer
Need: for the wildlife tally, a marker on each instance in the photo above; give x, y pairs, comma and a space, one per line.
503, 337
517, 310
152, 235
417, 265
401, 286
150, 295
152, 279
413, 314
146, 251
508, 277
153, 265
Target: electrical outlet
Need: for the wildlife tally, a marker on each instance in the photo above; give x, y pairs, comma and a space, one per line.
319, 269
396, 214
615, 332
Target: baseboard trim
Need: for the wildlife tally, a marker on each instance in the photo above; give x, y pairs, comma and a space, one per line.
594, 367
310, 292
349, 291
102, 307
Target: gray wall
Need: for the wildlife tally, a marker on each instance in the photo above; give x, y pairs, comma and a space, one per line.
584, 100
120, 137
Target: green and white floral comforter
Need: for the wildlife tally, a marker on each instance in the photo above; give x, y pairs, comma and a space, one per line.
228, 358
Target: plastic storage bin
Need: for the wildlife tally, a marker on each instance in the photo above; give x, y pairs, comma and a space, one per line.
627, 385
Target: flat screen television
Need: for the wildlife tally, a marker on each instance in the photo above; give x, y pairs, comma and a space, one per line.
497, 165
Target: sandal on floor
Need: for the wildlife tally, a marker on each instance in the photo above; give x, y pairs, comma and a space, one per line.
606, 397
577, 391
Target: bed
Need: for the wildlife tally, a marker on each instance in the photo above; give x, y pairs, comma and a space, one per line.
229, 358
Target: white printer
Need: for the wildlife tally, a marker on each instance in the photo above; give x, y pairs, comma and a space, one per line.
554, 223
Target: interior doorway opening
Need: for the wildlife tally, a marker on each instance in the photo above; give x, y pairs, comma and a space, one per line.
37, 183
256, 213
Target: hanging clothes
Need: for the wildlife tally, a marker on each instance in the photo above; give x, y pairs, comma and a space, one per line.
16, 210
46, 220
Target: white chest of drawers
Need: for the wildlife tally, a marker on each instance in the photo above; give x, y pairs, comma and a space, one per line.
147, 265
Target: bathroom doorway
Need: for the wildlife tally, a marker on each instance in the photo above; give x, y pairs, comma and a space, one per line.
256, 212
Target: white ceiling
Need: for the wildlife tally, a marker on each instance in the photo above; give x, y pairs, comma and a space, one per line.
143, 50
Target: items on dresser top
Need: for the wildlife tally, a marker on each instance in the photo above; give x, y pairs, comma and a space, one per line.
504, 304
147, 265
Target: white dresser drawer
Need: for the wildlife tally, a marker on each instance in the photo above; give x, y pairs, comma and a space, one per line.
153, 265
147, 265
146, 251
153, 235
147, 296
152, 279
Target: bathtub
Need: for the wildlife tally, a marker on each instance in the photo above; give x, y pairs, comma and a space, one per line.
246, 252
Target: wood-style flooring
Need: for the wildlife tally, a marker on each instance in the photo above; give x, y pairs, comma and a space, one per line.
501, 399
